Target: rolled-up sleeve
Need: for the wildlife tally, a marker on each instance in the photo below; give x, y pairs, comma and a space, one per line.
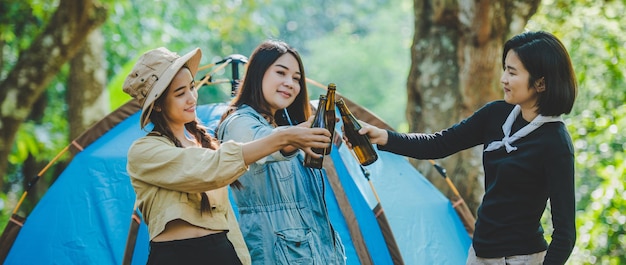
245, 128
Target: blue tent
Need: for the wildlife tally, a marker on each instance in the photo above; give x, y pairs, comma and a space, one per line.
84, 217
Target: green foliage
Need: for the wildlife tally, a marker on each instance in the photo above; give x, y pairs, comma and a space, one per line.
369, 61
379, 69
601, 170
44, 134
20, 22
593, 32
116, 94
219, 28
363, 46
25, 144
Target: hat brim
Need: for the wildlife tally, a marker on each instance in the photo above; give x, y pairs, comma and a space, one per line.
192, 59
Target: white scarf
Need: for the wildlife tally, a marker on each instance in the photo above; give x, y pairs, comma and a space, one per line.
506, 128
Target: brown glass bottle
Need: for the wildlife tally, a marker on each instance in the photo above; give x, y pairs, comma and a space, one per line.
361, 144
330, 114
318, 122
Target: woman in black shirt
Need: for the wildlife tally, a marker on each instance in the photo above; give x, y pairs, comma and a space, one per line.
528, 157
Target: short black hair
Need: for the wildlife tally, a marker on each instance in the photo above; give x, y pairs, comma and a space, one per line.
544, 56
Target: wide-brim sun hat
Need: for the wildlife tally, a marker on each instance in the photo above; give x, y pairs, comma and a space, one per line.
152, 74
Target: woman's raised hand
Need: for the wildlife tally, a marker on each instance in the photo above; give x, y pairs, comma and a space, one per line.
305, 138
377, 135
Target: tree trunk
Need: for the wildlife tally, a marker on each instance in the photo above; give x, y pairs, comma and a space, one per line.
455, 70
87, 97
36, 66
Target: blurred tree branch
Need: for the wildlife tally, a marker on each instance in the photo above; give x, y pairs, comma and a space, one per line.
36, 66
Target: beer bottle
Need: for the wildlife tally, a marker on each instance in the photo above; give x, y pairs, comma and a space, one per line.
318, 122
330, 114
361, 145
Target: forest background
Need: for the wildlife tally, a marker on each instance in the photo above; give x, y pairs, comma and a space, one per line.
366, 47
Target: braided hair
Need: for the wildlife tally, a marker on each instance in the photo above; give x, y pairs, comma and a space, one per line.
198, 131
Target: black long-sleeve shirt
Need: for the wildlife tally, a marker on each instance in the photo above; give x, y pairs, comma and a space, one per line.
517, 184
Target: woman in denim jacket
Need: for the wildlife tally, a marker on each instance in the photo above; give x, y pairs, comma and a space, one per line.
283, 215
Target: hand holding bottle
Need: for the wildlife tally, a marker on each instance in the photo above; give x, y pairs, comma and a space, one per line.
319, 121
307, 123
290, 149
361, 145
377, 135
306, 138
329, 113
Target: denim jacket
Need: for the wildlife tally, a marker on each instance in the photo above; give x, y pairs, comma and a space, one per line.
283, 215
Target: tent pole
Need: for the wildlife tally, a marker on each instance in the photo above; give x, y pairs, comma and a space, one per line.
131, 240
379, 212
16, 222
344, 206
206, 80
464, 212
34, 181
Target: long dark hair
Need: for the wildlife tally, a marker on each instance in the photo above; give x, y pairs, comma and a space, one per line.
195, 128
251, 90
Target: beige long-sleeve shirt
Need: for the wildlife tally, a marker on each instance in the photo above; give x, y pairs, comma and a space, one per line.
168, 181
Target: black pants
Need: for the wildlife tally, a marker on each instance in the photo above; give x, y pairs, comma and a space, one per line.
210, 249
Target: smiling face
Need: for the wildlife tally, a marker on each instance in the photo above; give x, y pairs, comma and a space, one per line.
180, 100
515, 77
281, 82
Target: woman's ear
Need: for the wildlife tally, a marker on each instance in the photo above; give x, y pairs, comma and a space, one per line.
540, 85
157, 108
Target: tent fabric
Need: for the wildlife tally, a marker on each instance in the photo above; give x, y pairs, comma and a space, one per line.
84, 216
363, 233
426, 227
